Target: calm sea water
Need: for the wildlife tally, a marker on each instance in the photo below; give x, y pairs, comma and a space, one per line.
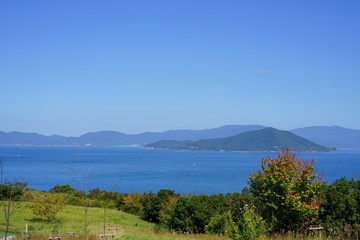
139, 170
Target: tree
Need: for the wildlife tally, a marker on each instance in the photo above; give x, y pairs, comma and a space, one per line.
181, 215
217, 224
192, 213
152, 210
10, 192
47, 205
167, 211
132, 204
107, 203
82, 190
62, 189
250, 226
289, 191
342, 208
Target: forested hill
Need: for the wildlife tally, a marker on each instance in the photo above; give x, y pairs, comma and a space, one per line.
268, 139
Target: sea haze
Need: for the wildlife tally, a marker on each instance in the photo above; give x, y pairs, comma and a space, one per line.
139, 170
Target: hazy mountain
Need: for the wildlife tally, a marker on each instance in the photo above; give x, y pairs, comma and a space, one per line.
112, 138
328, 136
224, 131
106, 138
14, 138
268, 139
331, 136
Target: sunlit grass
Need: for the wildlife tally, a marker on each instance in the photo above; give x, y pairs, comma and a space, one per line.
72, 219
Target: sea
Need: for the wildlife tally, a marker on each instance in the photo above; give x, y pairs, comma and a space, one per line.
135, 169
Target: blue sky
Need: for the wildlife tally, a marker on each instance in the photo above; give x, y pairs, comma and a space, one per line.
71, 67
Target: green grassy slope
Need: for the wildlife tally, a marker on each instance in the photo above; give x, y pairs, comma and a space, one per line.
72, 219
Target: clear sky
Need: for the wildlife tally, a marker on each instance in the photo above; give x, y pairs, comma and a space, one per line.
70, 67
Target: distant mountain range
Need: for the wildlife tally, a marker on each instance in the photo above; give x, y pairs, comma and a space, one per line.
331, 136
327, 136
268, 139
111, 138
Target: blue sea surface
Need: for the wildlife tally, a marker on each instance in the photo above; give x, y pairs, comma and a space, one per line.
130, 169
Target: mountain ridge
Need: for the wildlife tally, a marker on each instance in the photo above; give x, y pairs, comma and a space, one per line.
329, 136
113, 138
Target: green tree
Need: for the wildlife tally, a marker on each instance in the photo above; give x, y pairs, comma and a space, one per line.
62, 189
131, 203
10, 193
204, 208
152, 208
289, 191
217, 224
192, 213
238, 202
47, 205
167, 211
250, 225
183, 211
342, 208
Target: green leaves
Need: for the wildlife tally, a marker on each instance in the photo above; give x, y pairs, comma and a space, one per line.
289, 189
342, 207
47, 205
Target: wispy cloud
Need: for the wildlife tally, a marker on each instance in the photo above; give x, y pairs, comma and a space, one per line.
220, 60
261, 71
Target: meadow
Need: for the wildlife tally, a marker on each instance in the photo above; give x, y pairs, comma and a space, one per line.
130, 227
72, 219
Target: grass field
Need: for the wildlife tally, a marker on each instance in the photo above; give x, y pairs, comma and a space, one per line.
130, 226
72, 219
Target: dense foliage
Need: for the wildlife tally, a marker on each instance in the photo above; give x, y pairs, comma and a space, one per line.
289, 191
62, 189
47, 205
341, 215
13, 190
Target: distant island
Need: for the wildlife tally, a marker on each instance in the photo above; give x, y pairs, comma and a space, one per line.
334, 136
264, 140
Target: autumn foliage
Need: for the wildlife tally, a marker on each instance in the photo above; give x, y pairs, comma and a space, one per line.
288, 190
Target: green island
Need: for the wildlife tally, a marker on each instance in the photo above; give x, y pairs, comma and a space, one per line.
264, 140
286, 199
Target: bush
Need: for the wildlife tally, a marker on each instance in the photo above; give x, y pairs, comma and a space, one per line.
250, 226
217, 225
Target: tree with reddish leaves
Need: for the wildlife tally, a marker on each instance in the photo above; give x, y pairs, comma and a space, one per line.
288, 190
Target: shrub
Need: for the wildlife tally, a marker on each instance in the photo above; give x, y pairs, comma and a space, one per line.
217, 225
250, 226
